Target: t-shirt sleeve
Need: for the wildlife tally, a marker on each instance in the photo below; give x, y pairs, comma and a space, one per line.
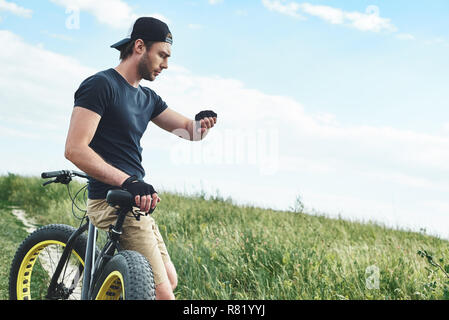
159, 106
94, 94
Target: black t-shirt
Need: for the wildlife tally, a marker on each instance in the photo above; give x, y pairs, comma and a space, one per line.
125, 113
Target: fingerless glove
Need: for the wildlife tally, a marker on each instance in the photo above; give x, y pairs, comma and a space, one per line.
137, 187
205, 114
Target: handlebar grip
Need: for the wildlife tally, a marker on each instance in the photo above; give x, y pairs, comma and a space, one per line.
62, 173
51, 174
80, 174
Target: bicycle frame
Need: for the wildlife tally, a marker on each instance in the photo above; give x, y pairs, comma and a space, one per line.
89, 260
92, 266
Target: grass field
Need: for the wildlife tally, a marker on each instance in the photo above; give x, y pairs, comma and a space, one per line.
225, 251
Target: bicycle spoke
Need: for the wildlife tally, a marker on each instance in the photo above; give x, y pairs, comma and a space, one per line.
70, 276
48, 259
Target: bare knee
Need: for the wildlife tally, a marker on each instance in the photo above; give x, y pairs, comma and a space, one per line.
171, 273
174, 283
164, 291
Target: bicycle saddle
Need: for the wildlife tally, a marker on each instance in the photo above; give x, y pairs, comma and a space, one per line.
120, 198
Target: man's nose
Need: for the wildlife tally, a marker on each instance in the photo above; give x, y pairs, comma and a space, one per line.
164, 64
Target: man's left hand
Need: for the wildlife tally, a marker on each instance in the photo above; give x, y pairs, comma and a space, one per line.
207, 119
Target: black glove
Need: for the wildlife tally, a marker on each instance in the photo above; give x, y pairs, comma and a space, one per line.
138, 188
205, 114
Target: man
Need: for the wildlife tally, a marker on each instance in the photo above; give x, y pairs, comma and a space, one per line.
110, 115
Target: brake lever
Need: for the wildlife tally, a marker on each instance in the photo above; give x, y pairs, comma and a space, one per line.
145, 213
48, 182
64, 179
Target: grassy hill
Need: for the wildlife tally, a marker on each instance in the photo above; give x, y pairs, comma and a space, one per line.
225, 251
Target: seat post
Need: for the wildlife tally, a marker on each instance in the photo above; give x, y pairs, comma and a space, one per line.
116, 230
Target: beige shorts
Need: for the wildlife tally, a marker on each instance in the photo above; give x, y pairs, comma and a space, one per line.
142, 236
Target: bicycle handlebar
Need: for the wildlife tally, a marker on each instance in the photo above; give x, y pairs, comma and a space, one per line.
71, 173
65, 176
62, 176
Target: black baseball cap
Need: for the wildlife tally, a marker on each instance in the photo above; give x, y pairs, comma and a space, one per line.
147, 28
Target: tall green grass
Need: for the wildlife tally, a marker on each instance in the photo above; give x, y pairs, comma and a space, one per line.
12, 232
225, 251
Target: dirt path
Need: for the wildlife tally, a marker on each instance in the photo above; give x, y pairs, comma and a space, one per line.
29, 224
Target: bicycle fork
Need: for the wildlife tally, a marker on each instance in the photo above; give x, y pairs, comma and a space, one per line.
52, 292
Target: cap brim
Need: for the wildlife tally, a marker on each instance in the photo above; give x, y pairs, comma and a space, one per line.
121, 43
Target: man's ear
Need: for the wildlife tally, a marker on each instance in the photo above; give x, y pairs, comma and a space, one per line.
139, 46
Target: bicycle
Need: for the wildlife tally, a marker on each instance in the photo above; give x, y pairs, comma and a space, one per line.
59, 262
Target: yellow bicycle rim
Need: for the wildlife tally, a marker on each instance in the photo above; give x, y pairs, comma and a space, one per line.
26, 267
112, 287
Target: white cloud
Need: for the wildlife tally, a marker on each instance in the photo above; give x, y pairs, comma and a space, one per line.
363, 21
11, 132
214, 2
114, 13
36, 101
15, 9
301, 164
289, 9
329, 143
437, 41
446, 128
34, 88
329, 14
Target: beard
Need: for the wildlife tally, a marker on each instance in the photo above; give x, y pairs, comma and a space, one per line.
144, 68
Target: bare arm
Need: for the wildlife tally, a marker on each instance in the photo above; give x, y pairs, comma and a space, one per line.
182, 126
83, 125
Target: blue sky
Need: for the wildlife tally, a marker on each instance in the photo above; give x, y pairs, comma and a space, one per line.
353, 95
310, 60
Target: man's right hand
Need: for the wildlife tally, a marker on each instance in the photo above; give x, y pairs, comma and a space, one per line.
144, 194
